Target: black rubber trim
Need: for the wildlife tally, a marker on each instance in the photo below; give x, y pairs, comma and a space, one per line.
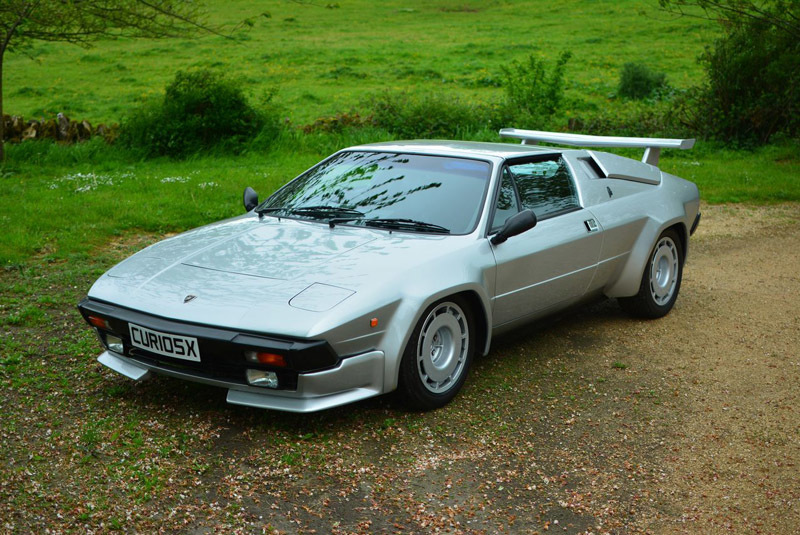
696, 222
221, 350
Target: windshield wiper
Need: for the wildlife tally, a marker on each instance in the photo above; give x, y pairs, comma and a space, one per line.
316, 212
271, 209
338, 214
405, 224
325, 211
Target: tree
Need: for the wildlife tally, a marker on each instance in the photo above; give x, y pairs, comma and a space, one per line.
81, 22
753, 86
784, 15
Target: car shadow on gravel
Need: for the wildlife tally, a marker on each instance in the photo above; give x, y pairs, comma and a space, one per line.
541, 437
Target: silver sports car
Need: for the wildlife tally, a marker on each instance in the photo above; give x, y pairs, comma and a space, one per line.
388, 266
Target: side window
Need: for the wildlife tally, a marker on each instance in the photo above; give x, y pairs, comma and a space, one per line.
507, 202
545, 186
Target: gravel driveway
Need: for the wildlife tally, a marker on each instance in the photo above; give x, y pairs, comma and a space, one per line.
592, 423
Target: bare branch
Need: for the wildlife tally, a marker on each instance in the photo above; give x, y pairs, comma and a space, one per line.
780, 14
81, 22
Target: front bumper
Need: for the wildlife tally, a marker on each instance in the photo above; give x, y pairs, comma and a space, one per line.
312, 377
357, 377
222, 349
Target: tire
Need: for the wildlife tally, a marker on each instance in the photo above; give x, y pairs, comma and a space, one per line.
438, 355
661, 280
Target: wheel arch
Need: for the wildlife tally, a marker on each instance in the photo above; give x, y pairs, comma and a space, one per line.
480, 308
482, 323
683, 234
627, 283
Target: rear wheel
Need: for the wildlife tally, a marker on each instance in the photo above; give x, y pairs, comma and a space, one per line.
661, 280
438, 355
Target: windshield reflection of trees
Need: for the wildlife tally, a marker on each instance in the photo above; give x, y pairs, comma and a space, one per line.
391, 185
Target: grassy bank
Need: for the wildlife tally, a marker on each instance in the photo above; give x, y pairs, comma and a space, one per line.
64, 202
326, 60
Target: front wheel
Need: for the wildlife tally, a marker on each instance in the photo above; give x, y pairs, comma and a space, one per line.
438, 355
661, 279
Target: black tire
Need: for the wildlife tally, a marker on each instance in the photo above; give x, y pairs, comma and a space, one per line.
431, 375
661, 280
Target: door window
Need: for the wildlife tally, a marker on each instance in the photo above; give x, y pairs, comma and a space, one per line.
545, 186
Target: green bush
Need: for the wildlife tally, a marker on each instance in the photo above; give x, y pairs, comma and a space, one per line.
638, 81
341, 122
200, 110
638, 119
429, 116
753, 71
753, 89
532, 93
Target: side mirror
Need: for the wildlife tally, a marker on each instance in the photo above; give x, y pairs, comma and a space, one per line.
250, 198
517, 224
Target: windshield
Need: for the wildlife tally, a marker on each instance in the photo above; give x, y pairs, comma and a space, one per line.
363, 187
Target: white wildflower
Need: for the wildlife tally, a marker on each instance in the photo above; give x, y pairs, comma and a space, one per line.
83, 182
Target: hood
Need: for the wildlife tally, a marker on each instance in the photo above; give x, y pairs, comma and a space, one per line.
247, 270
268, 248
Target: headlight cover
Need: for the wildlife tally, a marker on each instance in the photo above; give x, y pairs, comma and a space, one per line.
320, 297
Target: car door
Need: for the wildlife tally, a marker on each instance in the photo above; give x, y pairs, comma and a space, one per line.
552, 264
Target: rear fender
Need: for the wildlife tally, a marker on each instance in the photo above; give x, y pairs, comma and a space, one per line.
629, 278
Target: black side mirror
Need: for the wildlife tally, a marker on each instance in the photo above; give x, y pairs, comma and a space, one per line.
250, 198
517, 224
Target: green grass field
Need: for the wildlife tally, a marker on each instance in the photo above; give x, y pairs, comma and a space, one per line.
62, 204
322, 61
59, 202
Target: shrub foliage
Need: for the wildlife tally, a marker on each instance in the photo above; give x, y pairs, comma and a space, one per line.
638, 81
534, 96
200, 110
753, 86
435, 115
753, 71
533, 91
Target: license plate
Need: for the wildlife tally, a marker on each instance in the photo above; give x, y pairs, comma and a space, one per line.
169, 345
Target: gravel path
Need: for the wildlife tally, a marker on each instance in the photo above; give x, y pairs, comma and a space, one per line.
734, 457
592, 423
606, 424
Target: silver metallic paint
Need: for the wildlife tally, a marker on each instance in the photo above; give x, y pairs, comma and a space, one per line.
357, 377
651, 145
303, 279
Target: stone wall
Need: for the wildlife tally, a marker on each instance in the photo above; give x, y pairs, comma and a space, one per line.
61, 128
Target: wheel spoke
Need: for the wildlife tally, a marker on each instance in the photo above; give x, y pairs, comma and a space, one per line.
664, 270
442, 347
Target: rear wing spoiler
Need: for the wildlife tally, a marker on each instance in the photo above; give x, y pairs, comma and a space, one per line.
652, 146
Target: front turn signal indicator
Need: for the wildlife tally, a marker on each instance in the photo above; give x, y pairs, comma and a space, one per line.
263, 357
99, 322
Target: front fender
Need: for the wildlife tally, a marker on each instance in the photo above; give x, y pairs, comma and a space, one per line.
411, 311
470, 272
